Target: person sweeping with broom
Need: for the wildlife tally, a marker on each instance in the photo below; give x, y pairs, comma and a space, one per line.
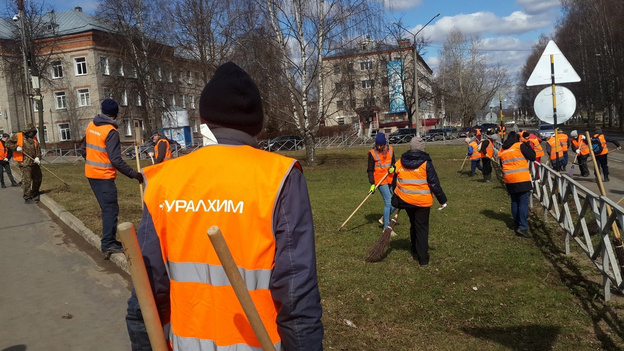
414, 181
380, 167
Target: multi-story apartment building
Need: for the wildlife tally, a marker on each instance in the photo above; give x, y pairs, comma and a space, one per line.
80, 63
371, 86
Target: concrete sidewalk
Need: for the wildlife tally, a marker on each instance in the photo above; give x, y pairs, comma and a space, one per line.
58, 292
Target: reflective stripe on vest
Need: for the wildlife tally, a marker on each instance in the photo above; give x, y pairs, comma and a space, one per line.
17, 155
579, 144
412, 186
515, 165
382, 163
167, 153
537, 147
475, 153
563, 139
204, 309
603, 142
97, 163
553, 153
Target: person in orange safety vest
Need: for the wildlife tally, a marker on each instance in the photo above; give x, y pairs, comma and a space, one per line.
162, 151
102, 152
514, 157
474, 154
580, 146
27, 153
601, 157
259, 199
554, 149
5, 155
381, 162
486, 149
414, 183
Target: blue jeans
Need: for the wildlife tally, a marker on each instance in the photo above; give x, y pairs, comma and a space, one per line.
474, 164
105, 192
386, 194
520, 209
136, 325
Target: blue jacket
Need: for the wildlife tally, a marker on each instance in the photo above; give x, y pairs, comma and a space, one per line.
294, 283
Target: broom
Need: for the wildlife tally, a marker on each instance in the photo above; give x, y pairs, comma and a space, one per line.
377, 251
617, 240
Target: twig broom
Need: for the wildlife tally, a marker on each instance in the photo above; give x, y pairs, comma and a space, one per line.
378, 250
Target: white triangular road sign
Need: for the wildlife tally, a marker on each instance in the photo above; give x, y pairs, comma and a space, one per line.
564, 73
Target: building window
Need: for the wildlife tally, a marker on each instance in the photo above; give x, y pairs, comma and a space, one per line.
159, 74
350, 66
83, 97
121, 69
170, 77
64, 133
183, 101
124, 98
57, 69
172, 101
340, 104
138, 100
366, 65
80, 64
35, 105
340, 120
133, 72
191, 100
337, 87
104, 66
45, 133
368, 102
61, 100
336, 69
368, 83
189, 81
128, 128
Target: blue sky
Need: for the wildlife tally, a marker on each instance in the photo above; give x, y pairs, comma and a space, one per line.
509, 28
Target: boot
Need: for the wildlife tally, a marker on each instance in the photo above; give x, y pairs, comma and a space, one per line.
2, 185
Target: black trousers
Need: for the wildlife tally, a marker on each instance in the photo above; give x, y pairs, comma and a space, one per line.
487, 166
6, 167
419, 233
582, 162
602, 163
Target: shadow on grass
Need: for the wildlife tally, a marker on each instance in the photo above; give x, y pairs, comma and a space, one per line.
606, 323
500, 216
532, 337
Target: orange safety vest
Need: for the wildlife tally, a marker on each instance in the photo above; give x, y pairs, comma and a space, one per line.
476, 155
4, 152
522, 139
563, 140
537, 146
97, 163
18, 155
412, 186
603, 142
515, 165
167, 153
382, 163
579, 144
183, 205
502, 131
553, 154
489, 150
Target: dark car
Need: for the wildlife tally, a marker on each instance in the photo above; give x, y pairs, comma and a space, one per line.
466, 132
485, 126
401, 136
434, 134
144, 150
285, 143
450, 133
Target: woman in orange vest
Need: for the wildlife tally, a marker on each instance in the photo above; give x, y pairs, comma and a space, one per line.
5, 156
581, 148
486, 149
475, 156
260, 201
381, 162
514, 158
554, 149
414, 181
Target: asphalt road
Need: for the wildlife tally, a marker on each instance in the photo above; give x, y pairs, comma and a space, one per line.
58, 292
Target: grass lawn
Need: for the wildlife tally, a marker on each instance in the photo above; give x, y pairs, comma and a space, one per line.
484, 289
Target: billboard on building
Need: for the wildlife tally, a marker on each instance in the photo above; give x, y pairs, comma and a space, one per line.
395, 86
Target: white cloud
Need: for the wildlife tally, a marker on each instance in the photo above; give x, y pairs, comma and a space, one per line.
538, 6
401, 5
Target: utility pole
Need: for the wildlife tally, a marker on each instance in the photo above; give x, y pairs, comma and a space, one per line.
415, 60
20, 19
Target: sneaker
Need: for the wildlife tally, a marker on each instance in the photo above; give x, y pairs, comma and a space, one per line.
116, 248
523, 233
15, 184
381, 220
606, 179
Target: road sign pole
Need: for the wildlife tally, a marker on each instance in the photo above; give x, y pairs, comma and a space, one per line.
554, 99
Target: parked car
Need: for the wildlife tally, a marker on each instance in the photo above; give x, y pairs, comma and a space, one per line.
485, 126
285, 143
144, 149
466, 132
545, 131
401, 136
450, 133
434, 134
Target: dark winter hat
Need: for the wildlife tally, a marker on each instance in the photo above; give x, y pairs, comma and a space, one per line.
110, 108
5, 135
598, 130
231, 99
380, 139
417, 143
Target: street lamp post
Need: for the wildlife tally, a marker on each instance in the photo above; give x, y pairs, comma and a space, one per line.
415, 60
20, 19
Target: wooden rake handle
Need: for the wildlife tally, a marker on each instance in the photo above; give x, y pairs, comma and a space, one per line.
142, 286
236, 280
363, 201
136, 156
